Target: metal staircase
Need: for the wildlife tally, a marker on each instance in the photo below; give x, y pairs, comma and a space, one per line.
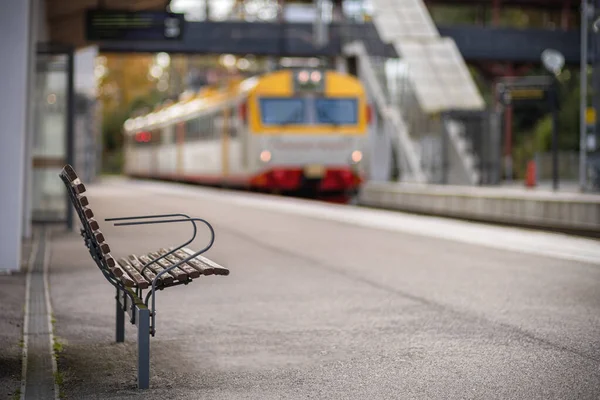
436, 80
392, 116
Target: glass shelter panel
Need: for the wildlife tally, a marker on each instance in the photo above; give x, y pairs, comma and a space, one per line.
50, 133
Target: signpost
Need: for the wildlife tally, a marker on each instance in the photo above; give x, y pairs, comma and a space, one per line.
536, 89
111, 25
526, 89
553, 62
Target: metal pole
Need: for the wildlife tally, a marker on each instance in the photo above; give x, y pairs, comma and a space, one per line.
70, 133
120, 331
583, 96
143, 324
554, 105
320, 38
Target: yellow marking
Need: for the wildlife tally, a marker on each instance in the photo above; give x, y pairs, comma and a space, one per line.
590, 116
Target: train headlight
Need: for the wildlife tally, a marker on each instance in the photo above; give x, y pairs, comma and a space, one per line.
356, 156
265, 156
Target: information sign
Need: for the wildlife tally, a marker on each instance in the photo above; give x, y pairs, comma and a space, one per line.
113, 25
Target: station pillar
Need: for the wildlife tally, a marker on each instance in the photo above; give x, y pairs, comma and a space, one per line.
15, 44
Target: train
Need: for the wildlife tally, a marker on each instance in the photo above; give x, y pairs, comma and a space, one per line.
299, 130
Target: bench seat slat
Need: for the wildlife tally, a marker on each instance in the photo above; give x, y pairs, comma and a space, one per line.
99, 236
83, 201
112, 266
89, 214
176, 273
69, 173
203, 268
104, 248
219, 270
193, 272
118, 272
134, 274
157, 269
93, 224
190, 272
78, 187
137, 265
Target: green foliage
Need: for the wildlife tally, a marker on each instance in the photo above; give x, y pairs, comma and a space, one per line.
568, 120
59, 380
112, 129
57, 346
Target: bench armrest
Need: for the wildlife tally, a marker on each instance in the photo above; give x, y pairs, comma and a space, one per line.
139, 217
185, 218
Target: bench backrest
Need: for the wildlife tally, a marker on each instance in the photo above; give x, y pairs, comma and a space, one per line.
99, 248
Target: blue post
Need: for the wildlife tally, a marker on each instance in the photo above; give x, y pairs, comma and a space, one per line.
120, 335
143, 323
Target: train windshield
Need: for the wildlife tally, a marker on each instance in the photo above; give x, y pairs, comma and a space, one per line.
336, 111
283, 111
309, 111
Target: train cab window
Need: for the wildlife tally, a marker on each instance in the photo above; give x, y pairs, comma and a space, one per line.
336, 111
283, 111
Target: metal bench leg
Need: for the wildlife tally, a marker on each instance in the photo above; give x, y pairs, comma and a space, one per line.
143, 323
120, 335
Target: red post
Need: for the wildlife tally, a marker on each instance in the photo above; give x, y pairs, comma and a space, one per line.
530, 175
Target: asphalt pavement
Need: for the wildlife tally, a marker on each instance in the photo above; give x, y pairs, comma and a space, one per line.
326, 308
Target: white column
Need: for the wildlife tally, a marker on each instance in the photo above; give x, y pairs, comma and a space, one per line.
14, 71
37, 21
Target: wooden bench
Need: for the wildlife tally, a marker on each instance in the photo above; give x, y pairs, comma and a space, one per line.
131, 275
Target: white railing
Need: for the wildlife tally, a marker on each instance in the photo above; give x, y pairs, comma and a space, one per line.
392, 115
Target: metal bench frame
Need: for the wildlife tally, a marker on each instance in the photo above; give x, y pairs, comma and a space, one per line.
142, 313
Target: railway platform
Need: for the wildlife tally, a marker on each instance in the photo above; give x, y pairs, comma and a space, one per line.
563, 210
329, 301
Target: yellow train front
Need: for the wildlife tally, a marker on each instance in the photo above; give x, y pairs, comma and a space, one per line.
285, 131
309, 128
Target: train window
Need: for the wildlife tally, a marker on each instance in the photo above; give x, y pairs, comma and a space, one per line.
192, 129
283, 111
204, 126
168, 134
336, 111
156, 137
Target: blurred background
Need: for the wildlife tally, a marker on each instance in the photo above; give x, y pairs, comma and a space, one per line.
453, 92
135, 83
